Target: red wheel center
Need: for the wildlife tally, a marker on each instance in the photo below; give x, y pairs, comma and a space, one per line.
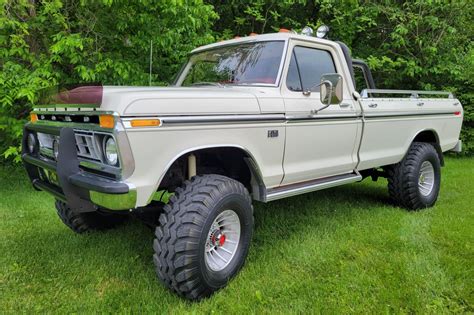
218, 238
222, 240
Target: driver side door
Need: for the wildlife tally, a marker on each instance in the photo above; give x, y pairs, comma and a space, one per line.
322, 144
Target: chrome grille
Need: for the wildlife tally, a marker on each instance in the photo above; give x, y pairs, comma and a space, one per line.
87, 146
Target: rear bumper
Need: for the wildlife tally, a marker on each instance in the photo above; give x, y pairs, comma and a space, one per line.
65, 180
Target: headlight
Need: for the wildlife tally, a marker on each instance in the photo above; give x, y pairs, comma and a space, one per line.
110, 151
31, 143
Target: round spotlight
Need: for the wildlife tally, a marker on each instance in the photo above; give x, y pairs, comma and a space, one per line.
56, 148
322, 31
31, 143
308, 31
110, 151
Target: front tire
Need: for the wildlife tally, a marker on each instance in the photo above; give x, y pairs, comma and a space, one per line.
88, 221
414, 182
204, 235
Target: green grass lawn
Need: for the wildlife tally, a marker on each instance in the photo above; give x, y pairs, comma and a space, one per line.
341, 250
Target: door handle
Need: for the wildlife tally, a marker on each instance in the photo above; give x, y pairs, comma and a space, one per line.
420, 104
373, 105
344, 105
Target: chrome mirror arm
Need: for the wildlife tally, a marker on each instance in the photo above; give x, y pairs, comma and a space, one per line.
330, 88
308, 91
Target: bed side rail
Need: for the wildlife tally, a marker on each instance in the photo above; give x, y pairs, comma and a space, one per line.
370, 93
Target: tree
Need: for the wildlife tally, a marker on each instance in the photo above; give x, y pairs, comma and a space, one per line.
408, 44
43, 43
424, 44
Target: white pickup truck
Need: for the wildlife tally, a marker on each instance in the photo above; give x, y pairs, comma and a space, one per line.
255, 118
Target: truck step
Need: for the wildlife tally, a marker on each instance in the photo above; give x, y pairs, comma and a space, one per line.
312, 185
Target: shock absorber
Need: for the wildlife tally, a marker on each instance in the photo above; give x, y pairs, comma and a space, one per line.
191, 165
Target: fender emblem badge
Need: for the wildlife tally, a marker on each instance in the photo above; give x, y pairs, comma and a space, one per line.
272, 133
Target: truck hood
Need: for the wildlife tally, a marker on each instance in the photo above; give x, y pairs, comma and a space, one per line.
146, 101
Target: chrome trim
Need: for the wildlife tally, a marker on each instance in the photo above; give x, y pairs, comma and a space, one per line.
323, 117
238, 119
208, 119
313, 185
115, 201
72, 106
221, 118
74, 125
413, 93
126, 159
87, 112
407, 114
255, 168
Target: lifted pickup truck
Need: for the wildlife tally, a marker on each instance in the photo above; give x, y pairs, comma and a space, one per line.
255, 118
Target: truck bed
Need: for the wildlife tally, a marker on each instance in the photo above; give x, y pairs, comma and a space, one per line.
393, 117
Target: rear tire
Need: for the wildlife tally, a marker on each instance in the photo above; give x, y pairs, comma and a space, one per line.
414, 182
88, 221
211, 215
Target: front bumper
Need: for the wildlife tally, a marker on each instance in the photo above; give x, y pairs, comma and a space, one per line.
65, 180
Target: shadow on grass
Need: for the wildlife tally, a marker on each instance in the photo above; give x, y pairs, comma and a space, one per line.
129, 246
295, 213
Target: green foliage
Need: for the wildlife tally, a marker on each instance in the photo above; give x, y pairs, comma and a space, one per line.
413, 44
408, 44
43, 43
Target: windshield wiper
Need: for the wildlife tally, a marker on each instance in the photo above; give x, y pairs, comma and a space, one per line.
207, 83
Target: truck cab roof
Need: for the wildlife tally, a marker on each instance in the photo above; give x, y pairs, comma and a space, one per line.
283, 36
286, 36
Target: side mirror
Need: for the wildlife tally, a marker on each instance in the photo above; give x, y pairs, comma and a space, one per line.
331, 89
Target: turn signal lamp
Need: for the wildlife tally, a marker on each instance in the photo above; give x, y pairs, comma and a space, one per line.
145, 123
106, 121
33, 118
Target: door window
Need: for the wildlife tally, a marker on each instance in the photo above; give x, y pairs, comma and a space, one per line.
307, 65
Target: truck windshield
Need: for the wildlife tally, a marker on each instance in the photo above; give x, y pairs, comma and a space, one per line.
243, 64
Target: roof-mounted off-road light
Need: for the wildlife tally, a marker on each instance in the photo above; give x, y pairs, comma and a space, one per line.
308, 31
322, 31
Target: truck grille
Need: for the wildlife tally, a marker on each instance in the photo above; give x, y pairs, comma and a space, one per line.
87, 146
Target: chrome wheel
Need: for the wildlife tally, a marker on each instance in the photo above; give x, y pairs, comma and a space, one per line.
222, 240
426, 178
